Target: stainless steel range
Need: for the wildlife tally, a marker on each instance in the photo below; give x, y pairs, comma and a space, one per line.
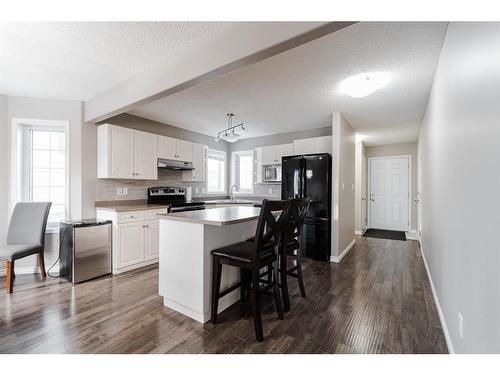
174, 198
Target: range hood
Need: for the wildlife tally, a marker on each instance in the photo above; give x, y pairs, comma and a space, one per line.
175, 164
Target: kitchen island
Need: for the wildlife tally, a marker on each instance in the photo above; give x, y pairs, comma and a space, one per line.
186, 240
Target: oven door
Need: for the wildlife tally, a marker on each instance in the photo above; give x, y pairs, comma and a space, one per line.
272, 173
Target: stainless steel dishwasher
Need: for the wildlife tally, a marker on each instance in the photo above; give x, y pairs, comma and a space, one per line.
85, 249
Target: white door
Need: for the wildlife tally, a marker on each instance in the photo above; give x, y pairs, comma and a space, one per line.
167, 147
146, 156
131, 244
364, 201
151, 240
122, 152
269, 155
388, 198
184, 150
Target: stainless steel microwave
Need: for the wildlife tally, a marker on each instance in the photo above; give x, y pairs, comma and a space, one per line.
271, 173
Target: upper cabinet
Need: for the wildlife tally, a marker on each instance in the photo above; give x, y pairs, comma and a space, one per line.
174, 149
316, 145
273, 154
198, 173
126, 153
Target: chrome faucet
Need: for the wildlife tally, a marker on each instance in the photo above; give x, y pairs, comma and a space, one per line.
231, 192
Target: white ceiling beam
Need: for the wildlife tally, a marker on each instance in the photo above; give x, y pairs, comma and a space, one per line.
238, 45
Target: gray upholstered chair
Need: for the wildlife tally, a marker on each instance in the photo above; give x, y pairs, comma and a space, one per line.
26, 236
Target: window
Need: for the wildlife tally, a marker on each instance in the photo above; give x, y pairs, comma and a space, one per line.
216, 172
242, 171
43, 167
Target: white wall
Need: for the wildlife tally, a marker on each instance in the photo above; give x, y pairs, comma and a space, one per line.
81, 166
459, 144
399, 149
4, 168
343, 176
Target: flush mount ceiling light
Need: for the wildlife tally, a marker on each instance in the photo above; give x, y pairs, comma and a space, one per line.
364, 84
232, 133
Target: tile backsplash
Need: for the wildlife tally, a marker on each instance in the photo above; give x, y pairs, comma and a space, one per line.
137, 189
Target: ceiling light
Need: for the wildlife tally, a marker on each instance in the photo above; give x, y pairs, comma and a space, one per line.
364, 84
232, 133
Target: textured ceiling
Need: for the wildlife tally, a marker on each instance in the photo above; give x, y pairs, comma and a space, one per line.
79, 60
297, 89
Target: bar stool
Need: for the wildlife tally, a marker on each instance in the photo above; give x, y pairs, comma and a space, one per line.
291, 246
251, 257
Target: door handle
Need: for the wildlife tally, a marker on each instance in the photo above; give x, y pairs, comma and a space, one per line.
372, 197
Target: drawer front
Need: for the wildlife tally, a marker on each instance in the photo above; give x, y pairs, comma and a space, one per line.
153, 214
130, 217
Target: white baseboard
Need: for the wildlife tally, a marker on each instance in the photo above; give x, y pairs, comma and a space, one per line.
337, 259
28, 271
412, 235
447, 337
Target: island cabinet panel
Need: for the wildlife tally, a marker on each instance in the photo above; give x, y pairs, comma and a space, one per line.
124, 153
135, 238
186, 264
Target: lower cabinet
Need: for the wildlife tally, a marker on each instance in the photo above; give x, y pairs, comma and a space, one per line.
136, 238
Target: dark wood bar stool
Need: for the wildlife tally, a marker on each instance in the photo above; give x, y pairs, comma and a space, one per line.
290, 246
251, 257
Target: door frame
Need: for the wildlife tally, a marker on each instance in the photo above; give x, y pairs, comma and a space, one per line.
369, 190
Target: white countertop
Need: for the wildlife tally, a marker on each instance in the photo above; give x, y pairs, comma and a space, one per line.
216, 216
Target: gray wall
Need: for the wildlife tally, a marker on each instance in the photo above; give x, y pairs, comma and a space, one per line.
4, 168
346, 177
398, 150
46, 109
106, 189
262, 190
459, 144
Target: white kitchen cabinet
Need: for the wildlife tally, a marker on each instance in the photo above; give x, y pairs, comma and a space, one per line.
151, 240
131, 239
146, 155
304, 146
124, 153
273, 154
324, 144
135, 238
316, 145
167, 147
174, 149
198, 173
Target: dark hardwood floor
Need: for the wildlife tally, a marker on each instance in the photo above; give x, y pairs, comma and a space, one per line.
378, 300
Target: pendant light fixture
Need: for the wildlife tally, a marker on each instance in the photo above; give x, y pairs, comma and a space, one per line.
232, 133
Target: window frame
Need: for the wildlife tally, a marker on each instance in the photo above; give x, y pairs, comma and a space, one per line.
235, 177
224, 183
21, 162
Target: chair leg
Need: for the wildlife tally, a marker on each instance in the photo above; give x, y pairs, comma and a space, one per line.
9, 284
243, 287
299, 272
284, 282
276, 289
41, 264
257, 319
216, 276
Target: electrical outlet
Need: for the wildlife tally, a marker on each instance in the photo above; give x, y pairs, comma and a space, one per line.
270, 190
461, 325
125, 191
196, 190
119, 191
342, 186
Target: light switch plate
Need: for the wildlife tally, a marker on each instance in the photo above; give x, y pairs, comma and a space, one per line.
125, 191
342, 186
119, 191
270, 190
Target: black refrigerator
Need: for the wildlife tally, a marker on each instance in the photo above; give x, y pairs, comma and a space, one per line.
310, 176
